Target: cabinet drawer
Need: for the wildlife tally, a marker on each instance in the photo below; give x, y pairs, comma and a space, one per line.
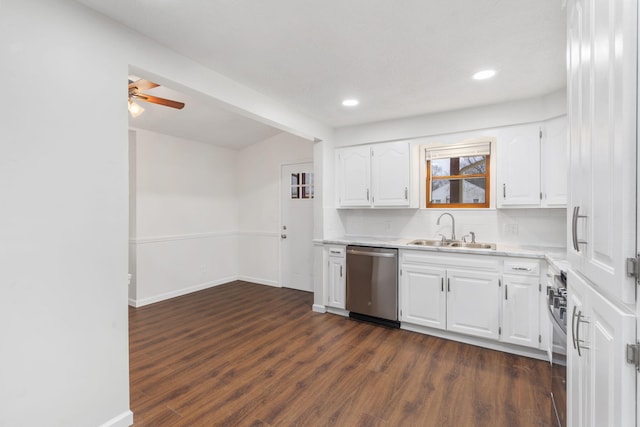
440, 259
336, 251
526, 267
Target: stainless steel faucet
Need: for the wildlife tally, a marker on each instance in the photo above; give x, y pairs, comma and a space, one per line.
453, 224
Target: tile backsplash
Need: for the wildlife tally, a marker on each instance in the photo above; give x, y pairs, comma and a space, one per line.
523, 227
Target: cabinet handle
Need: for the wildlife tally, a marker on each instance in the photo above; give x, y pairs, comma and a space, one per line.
406, 193
573, 327
578, 340
506, 292
448, 285
504, 191
367, 194
521, 268
574, 229
442, 284
340, 271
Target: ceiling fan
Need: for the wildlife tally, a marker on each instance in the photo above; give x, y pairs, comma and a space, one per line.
135, 88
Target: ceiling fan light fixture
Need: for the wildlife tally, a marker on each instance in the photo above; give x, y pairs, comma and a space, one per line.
134, 109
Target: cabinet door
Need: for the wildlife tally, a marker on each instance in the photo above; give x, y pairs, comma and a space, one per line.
423, 296
554, 163
520, 310
577, 380
473, 303
601, 384
336, 292
602, 90
391, 167
519, 167
611, 379
354, 176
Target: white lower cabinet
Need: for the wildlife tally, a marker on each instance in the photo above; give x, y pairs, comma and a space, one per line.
336, 286
601, 384
520, 310
472, 295
473, 303
423, 295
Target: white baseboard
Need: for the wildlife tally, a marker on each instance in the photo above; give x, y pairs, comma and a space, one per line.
477, 341
123, 420
162, 297
259, 281
338, 311
319, 308
179, 292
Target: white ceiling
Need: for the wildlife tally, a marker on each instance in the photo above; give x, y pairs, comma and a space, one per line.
199, 121
399, 58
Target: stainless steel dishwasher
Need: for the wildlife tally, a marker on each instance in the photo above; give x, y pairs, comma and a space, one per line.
372, 284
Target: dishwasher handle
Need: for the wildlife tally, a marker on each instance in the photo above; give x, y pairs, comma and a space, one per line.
374, 254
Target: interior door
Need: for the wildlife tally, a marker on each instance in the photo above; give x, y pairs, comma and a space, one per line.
296, 230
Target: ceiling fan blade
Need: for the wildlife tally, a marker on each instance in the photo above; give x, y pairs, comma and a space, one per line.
143, 84
156, 100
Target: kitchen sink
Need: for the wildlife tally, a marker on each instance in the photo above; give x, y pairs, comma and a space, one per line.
422, 242
473, 245
452, 244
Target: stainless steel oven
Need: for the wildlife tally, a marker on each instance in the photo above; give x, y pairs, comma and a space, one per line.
557, 309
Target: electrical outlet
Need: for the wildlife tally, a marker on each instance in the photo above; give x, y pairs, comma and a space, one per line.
511, 229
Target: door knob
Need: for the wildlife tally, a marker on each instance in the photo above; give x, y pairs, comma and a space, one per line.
284, 236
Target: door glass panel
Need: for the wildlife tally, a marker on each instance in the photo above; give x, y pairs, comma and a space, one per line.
302, 185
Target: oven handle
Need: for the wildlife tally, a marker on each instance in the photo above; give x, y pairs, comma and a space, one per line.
555, 321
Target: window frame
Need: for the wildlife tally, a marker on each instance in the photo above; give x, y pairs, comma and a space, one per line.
459, 148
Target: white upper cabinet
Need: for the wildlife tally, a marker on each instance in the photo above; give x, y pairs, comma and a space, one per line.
354, 176
519, 166
602, 88
532, 165
554, 166
390, 178
377, 175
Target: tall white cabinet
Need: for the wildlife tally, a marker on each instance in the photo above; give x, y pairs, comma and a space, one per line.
602, 88
602, 235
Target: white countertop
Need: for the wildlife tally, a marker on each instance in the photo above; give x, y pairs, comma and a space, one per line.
554, 255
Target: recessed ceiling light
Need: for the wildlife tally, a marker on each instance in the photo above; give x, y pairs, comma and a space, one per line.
350, 102
484, 74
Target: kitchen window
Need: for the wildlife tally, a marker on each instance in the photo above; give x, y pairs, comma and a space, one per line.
458, 175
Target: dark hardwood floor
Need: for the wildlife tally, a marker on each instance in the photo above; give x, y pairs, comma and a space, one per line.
242, 354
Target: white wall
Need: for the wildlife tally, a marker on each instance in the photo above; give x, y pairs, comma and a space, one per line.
259, 203
185, 217
64, 216
64, 219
